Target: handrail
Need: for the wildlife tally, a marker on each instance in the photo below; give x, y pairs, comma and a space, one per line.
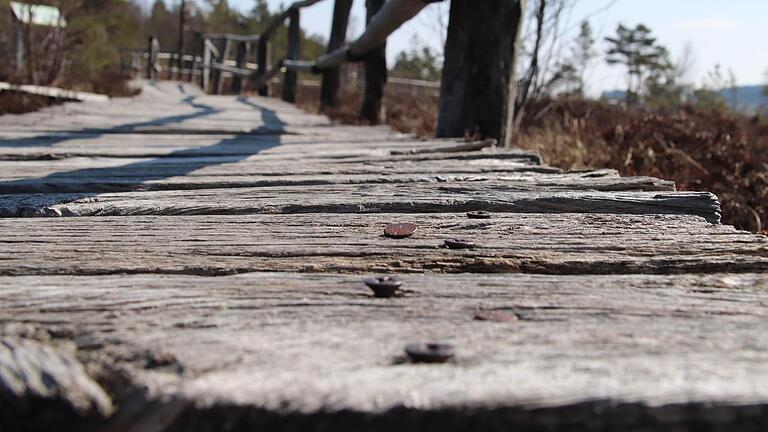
231, 36
294, 47
278, 20
245, 73
207, 44
224, 55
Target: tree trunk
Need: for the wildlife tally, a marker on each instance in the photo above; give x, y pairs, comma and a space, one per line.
19, 47
478, 87
182, 17
330, 86
375, 72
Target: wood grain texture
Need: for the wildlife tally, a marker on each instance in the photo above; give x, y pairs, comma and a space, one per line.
536, 243
42, 383
626, 349
324, 143
202, 173
214, 281
369, 198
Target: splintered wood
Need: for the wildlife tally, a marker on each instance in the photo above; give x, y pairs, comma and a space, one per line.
184, 262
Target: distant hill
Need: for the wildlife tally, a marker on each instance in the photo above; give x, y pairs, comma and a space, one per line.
748, 99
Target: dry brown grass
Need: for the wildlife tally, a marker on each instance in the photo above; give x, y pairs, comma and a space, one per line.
724, 153
113, 84
110, 83
20, 103
404, 111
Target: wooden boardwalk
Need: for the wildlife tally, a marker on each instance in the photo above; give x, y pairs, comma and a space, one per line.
183, 262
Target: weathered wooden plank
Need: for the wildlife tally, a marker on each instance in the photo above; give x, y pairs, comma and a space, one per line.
535, 243
276, 350
373, 198
192, 113
65, 184
54, 92
42, 381
344, 144
308, 348
283, 164
116, 175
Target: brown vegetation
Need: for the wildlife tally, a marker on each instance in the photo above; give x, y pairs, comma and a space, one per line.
700, 149
112, 84
107, 82
20, 103
724, 153
406, 112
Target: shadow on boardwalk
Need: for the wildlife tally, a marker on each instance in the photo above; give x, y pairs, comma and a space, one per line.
133, 175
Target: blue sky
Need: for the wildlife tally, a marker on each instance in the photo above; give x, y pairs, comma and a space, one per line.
718, 31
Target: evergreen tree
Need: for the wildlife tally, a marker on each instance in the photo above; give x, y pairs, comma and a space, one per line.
420, 64
710, 95
583, 52
260, 13
163, 24
223, 19
646, 61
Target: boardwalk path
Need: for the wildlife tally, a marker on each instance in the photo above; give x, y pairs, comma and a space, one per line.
213, 280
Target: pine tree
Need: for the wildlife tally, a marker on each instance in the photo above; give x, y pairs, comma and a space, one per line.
646, 61
223, 19
164, 24
583, 52
420, 64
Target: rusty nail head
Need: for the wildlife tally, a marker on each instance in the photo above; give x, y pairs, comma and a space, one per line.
459, 244
478, 215
384, 286
400, 230
430, 352
495, 315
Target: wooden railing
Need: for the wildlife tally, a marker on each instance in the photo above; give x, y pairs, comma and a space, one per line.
213, 64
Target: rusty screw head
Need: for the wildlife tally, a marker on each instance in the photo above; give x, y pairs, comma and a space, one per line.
384, 286
495, 315
459, 244
430, 352
400, 230
478, 215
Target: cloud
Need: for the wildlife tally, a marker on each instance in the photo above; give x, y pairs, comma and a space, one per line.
706, 24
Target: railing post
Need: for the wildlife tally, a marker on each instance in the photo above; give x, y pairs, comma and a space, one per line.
135, 64
243, 47
294, 53
375, 72
151, 57
197, 37
262, 62
331, 78
206, 70
182, 19
224, 55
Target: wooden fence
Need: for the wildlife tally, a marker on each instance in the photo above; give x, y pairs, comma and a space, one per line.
246, 61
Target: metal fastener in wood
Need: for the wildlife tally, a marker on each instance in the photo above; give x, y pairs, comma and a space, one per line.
430, 352
384, 286
400, 230
459, 244
478, 215
495, 315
